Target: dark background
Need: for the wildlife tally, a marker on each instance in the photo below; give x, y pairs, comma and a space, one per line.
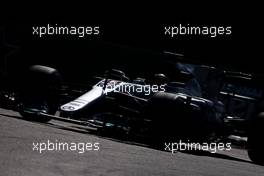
133, 43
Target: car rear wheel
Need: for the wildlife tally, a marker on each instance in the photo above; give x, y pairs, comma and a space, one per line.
256, 140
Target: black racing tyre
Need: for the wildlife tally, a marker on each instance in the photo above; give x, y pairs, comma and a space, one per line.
256, 140
172, 117
40, 92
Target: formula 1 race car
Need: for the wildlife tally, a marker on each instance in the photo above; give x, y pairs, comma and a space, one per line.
199, 108
137, 104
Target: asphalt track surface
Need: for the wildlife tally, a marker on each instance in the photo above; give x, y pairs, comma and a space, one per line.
114, 157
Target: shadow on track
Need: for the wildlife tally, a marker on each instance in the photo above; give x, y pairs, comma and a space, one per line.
126, 139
